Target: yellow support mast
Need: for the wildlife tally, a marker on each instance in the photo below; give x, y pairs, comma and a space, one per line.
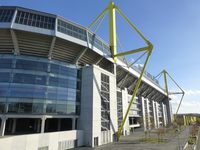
112, 29
112, 9
165, 74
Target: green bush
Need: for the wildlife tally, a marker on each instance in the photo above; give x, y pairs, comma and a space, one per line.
192, 140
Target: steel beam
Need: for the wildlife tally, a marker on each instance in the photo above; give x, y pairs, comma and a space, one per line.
80, 55
52, 47
15, 42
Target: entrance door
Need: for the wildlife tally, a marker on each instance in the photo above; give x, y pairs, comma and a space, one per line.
96, 141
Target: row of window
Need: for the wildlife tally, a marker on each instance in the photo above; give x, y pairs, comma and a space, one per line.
71, 30
38, 108
39, 80
36, 92
35, 20
6, 15
39, 66
98, 43
79, 33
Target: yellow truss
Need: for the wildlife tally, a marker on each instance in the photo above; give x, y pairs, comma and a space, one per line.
165, 74
111, 9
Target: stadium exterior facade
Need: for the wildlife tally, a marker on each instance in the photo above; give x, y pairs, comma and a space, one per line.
56, 75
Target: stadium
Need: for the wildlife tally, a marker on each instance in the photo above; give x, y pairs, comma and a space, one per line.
58, 77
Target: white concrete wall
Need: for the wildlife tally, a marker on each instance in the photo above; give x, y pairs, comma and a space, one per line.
113, 104
34, 141
125, 104
148, 114
86, 113
164, 114
158, 120
143, 113
90, 118
155, 115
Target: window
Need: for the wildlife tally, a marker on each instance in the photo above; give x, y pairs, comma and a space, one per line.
5, 63
29, 79
27, 91
61, 108
4, 90
51, 108
37, 108
4, 77
6, 15
62, 70
35, 20
71, 109
2, 107
71, 30
31, 65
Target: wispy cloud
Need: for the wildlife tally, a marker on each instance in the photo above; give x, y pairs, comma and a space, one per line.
190, 103
192, 92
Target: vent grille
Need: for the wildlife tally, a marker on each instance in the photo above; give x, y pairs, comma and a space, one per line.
6, 44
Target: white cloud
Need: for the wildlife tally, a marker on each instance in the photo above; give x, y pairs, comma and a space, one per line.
190, 103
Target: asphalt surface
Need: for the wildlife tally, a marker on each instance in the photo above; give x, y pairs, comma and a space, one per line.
133, 142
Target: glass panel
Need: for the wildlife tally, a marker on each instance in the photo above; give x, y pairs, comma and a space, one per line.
52, 93
71, 94
25, 108
4, 90
62, 94
27, 92
60, 82
51, 108
6, 15
61, 108
2, 108
37, 108
35, 20
31, 65
29, 79
71, 109
5, 63
4, 77
71, 30
13, 107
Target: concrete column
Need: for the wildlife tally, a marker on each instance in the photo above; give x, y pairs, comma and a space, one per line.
168, 110
14, 125
3, 126
73, 123
124, 109
157, 110
43, 124
163, 111
143, 114
148, 113
154, 115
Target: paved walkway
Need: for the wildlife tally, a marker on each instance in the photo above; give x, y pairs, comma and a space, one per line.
133, 142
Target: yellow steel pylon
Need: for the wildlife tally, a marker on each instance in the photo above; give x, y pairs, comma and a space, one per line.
112, 9
165, 74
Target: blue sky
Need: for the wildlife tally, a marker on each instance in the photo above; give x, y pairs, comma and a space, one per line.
173, 26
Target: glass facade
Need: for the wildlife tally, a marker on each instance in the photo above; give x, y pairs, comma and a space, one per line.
35, 20
71, 30
38, 86
6, 15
